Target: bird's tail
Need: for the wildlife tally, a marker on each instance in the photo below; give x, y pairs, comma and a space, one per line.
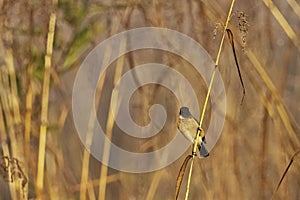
203, 151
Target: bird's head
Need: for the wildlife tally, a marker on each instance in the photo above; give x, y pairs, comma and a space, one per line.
185, 112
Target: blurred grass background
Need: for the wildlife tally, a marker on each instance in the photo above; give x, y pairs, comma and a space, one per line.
259, 136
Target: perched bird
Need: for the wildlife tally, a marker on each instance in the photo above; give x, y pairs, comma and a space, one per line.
188, 126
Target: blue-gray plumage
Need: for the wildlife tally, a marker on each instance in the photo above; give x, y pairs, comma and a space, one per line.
188, 126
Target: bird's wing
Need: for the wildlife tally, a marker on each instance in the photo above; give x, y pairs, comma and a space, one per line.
185, 126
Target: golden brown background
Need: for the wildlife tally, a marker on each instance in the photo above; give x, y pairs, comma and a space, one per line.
259, 137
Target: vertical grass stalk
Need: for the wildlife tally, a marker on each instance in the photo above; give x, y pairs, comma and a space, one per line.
5, 148
28, 115
206, 101
45, 101
109, 126
8, 122
89, 136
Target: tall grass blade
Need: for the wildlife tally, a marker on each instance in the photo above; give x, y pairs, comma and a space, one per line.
181, 175
230, 36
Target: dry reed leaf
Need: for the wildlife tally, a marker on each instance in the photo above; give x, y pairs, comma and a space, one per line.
181, 175
285, 172
230, 36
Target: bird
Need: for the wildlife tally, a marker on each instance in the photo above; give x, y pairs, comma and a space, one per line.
188, 126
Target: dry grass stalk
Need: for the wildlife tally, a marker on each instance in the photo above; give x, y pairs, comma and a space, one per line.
89, 136
257, 61
10, 103
283, 22
109, 126
154, 184
13, 84
206, 101
28, 114
263, 75
94, 183
5, 149
11, 109
45, 101
295, 6
279, 104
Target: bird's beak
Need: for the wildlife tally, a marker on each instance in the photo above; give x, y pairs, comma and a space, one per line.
180, 117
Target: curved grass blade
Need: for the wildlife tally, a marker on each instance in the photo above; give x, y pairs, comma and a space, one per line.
181, 174
230, 36
285, 172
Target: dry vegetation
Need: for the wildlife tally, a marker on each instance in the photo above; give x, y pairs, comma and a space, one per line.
41, 154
